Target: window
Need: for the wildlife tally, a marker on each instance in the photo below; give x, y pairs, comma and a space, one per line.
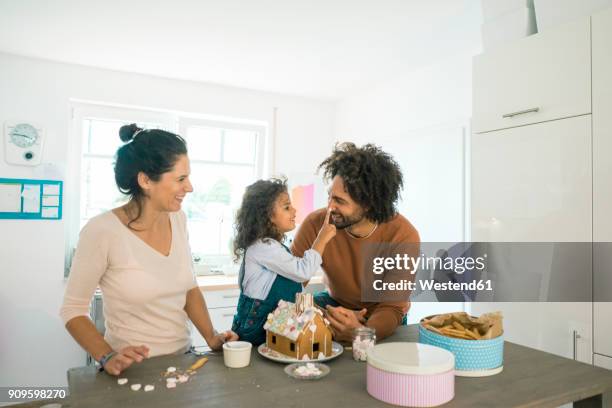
225, 156
315, 347
273, 339
292, 346
224, 161
100, 141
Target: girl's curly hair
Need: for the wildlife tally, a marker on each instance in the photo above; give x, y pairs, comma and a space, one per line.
253, 219
371, 177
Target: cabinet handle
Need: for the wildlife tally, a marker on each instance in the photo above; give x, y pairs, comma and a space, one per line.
576, 337
228, 314
229, 296
513, 114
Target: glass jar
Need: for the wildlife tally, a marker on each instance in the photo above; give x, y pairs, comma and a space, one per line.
364, 338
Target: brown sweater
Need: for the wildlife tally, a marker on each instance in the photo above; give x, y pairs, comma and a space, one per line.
343, 266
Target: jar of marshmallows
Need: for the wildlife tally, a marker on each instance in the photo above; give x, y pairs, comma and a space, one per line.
364, 338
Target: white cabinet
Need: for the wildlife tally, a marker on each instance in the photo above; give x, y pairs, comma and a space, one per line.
602, 178
550, 72
603, 361
531, 173
221, 298
602, 329
221, 306
563, 329
221, 319
533, 183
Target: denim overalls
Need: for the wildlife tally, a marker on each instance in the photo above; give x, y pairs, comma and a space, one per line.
252, 314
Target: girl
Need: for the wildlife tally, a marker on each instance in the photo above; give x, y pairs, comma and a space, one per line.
269, 272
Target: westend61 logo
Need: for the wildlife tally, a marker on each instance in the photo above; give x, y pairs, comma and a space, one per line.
486, 271
404, 263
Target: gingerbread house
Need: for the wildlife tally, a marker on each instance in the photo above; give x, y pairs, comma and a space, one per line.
299, 329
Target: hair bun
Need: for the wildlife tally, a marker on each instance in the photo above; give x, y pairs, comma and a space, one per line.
127, 132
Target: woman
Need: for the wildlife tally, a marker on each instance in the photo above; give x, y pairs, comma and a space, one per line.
139, 256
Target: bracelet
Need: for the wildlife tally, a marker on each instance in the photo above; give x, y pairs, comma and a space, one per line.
105, 359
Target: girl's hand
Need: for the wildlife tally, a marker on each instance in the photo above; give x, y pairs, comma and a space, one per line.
125, 358
328, 230
216, 343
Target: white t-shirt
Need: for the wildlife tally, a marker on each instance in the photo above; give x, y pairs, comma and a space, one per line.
144, 292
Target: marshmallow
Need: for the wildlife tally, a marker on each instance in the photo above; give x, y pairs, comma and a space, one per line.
361, 347
308, 370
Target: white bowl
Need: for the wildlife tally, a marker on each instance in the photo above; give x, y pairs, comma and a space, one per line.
237, 354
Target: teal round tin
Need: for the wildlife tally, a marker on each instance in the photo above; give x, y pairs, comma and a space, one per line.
473, 358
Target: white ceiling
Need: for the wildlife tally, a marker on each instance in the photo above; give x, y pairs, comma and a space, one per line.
315, 48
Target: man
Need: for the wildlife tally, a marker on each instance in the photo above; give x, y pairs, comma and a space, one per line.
365, 187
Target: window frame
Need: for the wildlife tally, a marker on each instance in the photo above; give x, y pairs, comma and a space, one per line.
176, 122
186, 122
260, 152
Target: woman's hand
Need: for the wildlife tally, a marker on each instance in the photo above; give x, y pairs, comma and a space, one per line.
125, 358
216, 343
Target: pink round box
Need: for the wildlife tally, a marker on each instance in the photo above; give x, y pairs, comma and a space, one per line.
411, 374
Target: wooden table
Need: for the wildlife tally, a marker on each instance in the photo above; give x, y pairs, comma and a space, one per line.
530, 378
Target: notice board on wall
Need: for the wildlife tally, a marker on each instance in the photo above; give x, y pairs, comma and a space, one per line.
30, 199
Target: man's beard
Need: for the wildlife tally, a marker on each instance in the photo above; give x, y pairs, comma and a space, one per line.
343, 222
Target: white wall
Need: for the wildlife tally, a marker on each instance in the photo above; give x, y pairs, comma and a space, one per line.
420, 118
35, 349
417, 118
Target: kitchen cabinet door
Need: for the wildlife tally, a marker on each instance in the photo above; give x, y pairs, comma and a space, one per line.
550, 72
221, 319
603, 361
532, 183
559, 328
602, 179
221, 298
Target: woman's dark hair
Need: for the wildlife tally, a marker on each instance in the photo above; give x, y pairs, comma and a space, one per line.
151, 151
253, 219
371, 177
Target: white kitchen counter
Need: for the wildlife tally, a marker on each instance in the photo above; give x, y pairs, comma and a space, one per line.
224, 282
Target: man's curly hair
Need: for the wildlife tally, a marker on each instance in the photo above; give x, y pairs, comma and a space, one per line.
371, 177
253, 219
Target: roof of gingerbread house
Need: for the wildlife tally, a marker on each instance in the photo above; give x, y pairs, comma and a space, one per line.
290, 319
